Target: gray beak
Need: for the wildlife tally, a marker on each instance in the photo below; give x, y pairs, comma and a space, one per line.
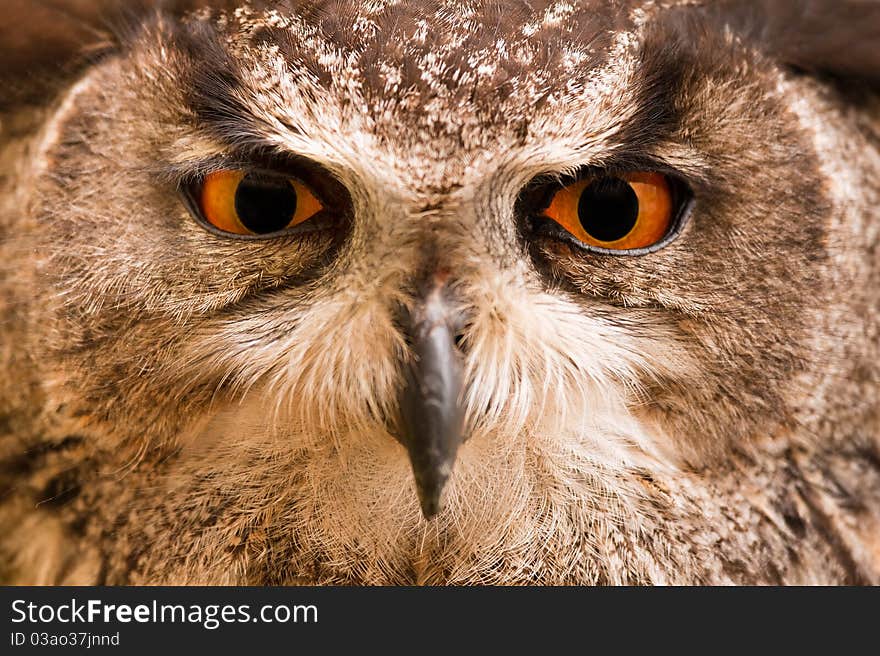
430, 404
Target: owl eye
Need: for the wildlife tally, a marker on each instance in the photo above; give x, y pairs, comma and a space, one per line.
252, 203
616, 212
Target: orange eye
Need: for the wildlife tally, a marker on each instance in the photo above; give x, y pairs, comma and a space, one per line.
617, 212
250, 203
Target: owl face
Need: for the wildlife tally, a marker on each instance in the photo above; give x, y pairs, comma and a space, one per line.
322, 274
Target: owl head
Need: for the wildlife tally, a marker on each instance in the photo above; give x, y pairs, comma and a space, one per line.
462, 291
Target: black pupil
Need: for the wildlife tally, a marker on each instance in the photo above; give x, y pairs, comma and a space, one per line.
608, 209
265, 204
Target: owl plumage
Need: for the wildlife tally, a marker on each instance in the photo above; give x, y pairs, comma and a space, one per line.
183, 406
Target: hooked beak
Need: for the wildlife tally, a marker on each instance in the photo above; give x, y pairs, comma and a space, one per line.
430, 404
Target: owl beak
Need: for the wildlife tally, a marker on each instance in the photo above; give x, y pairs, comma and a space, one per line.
430, 404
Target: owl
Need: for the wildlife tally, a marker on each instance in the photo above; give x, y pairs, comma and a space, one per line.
454, 292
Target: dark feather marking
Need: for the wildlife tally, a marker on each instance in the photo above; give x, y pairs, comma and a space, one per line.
213, 86
60, 490
825, 527
27, 461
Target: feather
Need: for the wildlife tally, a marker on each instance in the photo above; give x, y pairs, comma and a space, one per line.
835, 37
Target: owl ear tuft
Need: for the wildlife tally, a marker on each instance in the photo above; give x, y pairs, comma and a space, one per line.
831, 37
45, 34
44, 40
